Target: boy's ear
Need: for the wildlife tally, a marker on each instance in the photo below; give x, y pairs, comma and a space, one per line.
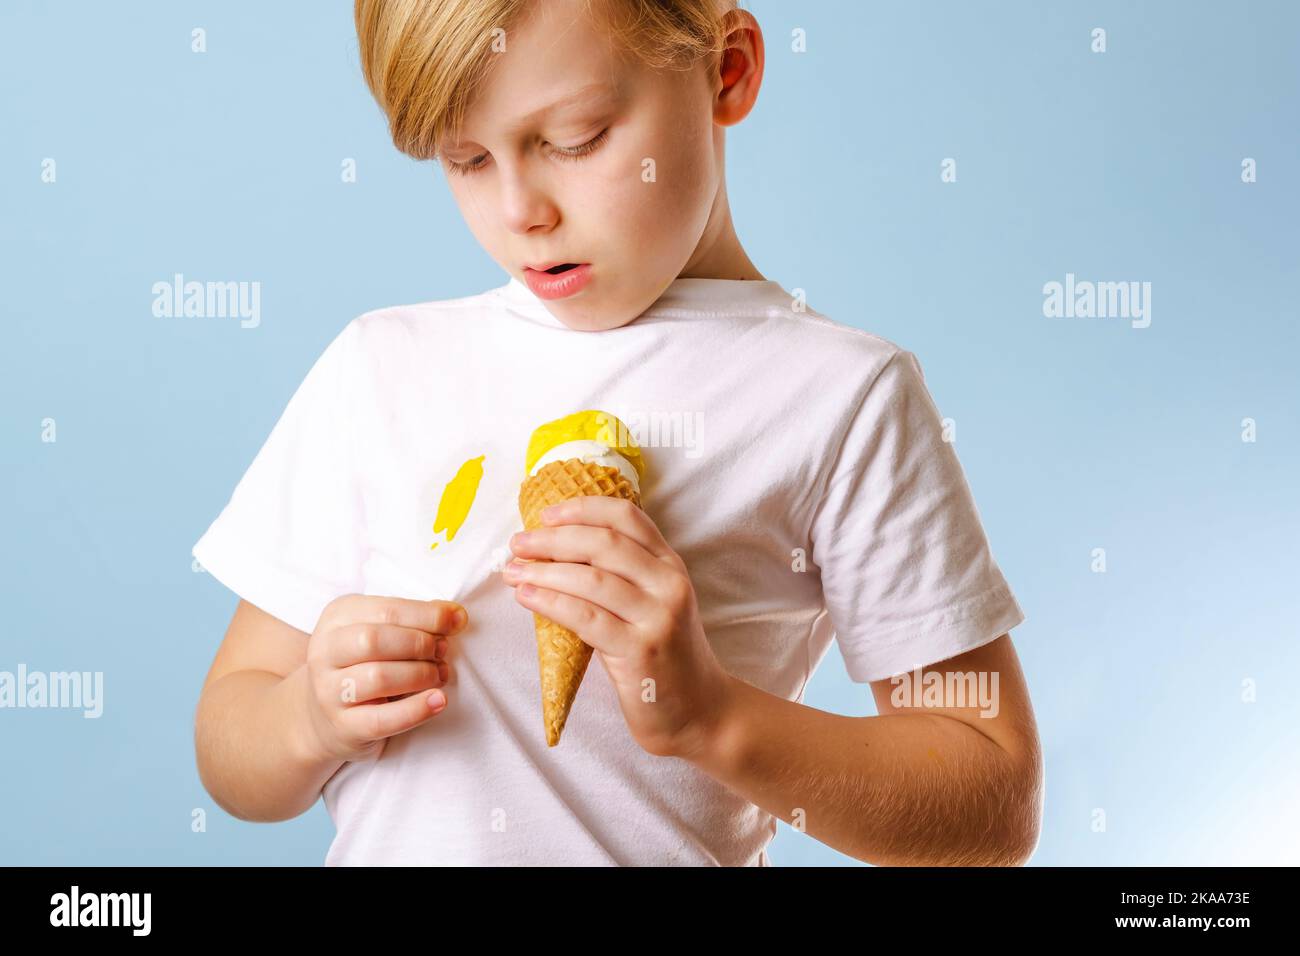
733, 67
740, 68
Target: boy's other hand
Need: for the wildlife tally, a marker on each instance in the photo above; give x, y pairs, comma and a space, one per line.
371, 662
601, 568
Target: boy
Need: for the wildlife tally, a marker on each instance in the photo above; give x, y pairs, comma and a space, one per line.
806, 495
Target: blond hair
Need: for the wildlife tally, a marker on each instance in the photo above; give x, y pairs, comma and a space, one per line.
424, 59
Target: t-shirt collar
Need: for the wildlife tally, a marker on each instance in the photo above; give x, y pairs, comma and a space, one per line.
684, 296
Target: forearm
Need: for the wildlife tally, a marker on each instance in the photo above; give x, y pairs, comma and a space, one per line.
252, 740
915, 789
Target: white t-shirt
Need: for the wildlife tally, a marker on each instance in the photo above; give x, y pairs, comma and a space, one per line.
797, 465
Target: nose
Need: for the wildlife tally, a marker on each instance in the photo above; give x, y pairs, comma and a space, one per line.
526, 205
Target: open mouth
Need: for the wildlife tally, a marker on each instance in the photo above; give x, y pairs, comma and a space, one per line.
558, 281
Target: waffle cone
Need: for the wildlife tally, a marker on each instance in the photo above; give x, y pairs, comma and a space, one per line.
562, 656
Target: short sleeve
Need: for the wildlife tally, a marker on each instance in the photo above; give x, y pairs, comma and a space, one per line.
290, 539
906, 570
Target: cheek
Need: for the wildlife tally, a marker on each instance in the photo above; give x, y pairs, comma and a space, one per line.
661, 183
482, 222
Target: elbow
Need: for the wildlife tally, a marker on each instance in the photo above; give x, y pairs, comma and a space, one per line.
1023, 816
248, 814
1018, 846
1011, 842
993, 818
1007, 816
216, 779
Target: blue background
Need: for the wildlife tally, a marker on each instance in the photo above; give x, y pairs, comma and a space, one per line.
1075, 434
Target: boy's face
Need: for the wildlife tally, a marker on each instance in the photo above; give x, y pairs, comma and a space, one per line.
620, 169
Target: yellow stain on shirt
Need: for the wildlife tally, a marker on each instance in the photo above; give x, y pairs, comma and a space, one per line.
458, 498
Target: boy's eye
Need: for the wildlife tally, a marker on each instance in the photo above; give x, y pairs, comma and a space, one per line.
588, 147
560, 152
468, 167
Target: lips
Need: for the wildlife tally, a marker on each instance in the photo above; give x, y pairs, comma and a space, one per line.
557, 280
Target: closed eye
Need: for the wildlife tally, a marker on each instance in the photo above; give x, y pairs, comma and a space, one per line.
560, 152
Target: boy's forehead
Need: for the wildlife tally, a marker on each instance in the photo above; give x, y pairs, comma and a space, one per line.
553, 48
558, 58
572, 98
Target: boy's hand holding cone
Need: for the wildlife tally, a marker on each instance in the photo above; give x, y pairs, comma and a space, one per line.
598, 567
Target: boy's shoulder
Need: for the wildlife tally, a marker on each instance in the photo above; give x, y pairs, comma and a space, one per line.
834, 350
376, 333
827, 332
405, 315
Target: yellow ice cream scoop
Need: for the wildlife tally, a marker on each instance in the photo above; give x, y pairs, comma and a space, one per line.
582, 435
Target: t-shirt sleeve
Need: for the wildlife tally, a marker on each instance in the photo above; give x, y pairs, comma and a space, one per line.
291, 538
906, 570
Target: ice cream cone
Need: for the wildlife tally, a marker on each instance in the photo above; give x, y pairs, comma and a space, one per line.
599, 465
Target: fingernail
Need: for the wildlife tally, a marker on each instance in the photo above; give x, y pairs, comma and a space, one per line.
437, 700
550, 511
460, 618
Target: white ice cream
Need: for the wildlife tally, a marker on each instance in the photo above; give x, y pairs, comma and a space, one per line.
589, 450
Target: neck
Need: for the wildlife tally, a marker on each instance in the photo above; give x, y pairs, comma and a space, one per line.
719, 254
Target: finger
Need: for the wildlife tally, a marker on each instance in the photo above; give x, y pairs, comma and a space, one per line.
599, 628
617, 513
596, 585
376, 679
600, 547
355, 643
377, 721
436, 617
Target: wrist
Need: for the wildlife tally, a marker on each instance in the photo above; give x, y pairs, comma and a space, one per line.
719, 746
306, 745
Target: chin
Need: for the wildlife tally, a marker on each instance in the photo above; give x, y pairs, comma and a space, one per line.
592, 325
595, 323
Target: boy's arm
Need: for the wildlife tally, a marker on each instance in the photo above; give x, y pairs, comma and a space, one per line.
252, 730
911, 786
